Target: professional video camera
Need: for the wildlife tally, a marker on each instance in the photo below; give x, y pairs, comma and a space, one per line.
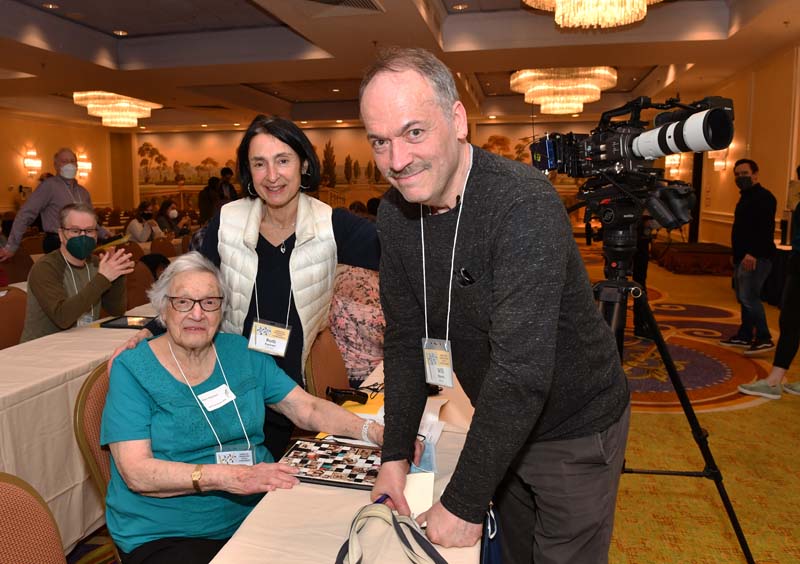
616, 160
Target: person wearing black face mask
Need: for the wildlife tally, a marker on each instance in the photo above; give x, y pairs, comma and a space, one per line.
68, 286
143, 227
752, 241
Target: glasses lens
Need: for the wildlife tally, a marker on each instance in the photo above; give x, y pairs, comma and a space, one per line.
182, 304
211, 304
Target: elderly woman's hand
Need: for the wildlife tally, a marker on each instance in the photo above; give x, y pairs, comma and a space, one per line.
260, 478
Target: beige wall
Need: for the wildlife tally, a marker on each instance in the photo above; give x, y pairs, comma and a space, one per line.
46, 136
124, 182
766, 128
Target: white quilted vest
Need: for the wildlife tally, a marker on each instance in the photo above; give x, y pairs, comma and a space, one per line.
312, 266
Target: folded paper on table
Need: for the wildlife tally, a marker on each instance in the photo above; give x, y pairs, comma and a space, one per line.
373, 409
419, 492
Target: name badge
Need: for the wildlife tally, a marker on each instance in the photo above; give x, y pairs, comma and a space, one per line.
438, 362
245, 457
216, 398
268, 337
85, 319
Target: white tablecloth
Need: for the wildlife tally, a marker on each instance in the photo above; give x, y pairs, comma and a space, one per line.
39, 383
309, 523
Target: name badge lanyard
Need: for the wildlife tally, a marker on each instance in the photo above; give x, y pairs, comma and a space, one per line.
437, 353
267, 336
71, 191
83, 320
234, 456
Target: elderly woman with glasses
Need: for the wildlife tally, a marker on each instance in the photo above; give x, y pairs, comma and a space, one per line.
183, 420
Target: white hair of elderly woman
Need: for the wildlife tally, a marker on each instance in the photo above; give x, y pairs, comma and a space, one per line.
189, 262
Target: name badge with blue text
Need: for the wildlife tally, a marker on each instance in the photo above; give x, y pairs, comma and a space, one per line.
438, 362
232, 455
269, 337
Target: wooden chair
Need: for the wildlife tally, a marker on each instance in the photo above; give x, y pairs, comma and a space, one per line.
33, 245
135, 249
136, 285
17, 267
325, 366
185, 241
88, 415
163, 246
13, 303
28, 531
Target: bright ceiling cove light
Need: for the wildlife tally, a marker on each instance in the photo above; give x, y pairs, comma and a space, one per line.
594, 13
563, 90
50, 6
115, 109
120, 32
460, 6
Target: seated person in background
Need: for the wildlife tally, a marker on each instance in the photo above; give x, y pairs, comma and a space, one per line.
179, 406
356, 321
69, 285
359, 208
167, 219
143, 227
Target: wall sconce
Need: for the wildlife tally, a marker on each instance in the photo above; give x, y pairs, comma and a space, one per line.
673, 164
720, 158
32, 163
720, 164
84, 165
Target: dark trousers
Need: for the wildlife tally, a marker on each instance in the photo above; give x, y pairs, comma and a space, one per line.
748, 284
50, 242
174, 550
556, 504
789, 320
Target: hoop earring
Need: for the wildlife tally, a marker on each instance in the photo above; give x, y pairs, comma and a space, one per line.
305, 188
250, 190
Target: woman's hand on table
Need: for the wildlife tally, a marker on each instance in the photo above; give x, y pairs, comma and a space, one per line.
263, 477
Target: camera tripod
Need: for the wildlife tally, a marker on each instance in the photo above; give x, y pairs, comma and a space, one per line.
612, 297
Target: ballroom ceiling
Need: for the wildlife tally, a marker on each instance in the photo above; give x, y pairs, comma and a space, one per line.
220, 62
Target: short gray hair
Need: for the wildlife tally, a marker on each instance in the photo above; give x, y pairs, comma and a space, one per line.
79, 208
189, 262
422, 61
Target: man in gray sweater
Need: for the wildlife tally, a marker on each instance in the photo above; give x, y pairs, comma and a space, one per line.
481, 277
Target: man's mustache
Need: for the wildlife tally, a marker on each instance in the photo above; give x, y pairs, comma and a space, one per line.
409, 170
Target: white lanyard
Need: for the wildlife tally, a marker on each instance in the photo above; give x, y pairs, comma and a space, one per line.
452, 258
198, 401
74, 283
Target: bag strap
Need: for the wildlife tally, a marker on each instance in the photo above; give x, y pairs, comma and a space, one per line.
351, 549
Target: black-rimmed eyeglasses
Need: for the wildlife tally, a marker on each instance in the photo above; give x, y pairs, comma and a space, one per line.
212, 303
74, 231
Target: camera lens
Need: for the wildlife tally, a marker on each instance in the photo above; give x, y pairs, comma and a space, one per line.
707, 130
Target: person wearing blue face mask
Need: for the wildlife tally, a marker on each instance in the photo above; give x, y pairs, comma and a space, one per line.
48, 199
67, 287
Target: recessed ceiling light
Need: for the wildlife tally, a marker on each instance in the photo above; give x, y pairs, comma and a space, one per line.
237, 124
142, 127
303, 121
492, 117
335, 90
460, 7
120, 32
203, 125
576, 115
50, 6
338, 121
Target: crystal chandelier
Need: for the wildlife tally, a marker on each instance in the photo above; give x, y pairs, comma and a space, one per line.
594, 13
563, 90
116, 110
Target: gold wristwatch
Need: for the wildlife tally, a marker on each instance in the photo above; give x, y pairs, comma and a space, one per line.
197, 475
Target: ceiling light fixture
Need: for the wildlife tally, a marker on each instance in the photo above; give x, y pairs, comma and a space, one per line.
115, 109
594, 13
120, 32
50, 6
338, 121
563, 90
460, 7
335, 90
492, 117
203, 125
237, 124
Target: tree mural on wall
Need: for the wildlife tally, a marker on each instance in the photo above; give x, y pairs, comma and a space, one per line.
377, 173
348, 169
356, 171
150, 156
329, 165
205, 167
501, 145
368, 172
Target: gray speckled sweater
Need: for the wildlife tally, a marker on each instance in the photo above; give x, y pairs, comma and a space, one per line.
529, 346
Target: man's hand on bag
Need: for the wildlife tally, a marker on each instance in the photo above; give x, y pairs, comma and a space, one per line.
447, 530
391, 481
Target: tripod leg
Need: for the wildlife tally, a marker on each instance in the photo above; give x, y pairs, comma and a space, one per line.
711, 471
613, 302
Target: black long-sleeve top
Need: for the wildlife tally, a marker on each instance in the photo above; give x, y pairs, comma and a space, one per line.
528, 343
753, 231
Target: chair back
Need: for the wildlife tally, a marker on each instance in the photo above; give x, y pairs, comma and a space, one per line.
17, 267
163, 246
88, 415
28, 532
134, 248
136, 285
325, 366
33, 244
13, 304
185, 240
